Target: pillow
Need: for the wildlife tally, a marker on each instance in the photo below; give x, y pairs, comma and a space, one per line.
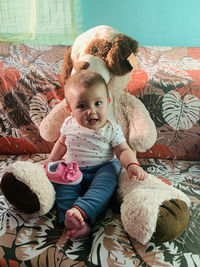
168, 83
30, 85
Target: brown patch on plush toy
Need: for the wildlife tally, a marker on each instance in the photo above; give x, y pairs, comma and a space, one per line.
172, 220
117, 58
67, 65
99, 48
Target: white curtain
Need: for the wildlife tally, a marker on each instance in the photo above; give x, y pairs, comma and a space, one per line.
40, 21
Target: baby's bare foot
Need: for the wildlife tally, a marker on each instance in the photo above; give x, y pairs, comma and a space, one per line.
73, 219
79, 232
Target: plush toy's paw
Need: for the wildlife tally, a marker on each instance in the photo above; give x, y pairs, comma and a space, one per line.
19, 194
172, 220
161, 224
26, 186
154, 211
51, 124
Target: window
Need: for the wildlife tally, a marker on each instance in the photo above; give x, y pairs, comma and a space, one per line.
40, 21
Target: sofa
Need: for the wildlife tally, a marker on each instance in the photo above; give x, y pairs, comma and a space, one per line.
168, 83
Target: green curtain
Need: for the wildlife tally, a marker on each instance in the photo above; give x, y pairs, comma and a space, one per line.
40, 21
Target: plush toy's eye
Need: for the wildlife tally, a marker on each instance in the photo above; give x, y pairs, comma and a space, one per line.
95, 49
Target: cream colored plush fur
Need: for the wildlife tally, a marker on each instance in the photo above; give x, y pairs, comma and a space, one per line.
141, 202
33, 175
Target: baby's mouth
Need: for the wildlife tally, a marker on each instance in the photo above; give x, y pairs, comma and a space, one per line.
93, 121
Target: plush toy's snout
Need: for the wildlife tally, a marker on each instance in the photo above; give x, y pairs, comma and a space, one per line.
93, 63
81, 65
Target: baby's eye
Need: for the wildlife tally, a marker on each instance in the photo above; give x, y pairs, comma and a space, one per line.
98, 103
81, 106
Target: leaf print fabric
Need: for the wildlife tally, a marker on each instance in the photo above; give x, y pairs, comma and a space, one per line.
39, 241
180, 113
172, 95
8, 76
38, 108
168, 84
30, 85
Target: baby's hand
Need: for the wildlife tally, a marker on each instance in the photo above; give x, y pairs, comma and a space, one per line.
136, 170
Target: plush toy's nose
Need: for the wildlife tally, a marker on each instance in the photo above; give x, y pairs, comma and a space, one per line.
81, 65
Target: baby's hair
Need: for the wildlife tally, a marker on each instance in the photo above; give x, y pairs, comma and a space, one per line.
85, 78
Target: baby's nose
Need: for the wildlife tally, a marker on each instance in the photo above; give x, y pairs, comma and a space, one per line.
81, 65
92, 110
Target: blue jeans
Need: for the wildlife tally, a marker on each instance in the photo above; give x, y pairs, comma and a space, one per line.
94, 192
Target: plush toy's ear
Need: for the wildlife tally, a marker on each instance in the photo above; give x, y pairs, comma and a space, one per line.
67, 65
122, 47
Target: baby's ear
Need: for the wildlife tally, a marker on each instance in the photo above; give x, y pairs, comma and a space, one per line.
68, 108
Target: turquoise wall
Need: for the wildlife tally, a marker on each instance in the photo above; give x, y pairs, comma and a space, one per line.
151, 22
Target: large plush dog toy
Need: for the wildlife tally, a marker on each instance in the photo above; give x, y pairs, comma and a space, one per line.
151, 209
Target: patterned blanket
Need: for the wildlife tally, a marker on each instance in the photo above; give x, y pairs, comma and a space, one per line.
26, 241
30, 86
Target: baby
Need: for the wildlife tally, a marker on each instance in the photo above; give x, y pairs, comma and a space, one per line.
90, 139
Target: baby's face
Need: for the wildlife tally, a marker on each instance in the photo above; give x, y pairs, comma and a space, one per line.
89, 106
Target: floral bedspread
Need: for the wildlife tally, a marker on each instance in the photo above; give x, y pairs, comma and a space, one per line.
168, 83
26, 241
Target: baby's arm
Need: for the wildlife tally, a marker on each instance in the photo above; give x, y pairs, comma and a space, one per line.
129, 161
58, 150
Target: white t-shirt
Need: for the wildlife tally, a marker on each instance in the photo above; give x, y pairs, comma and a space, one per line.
89, 147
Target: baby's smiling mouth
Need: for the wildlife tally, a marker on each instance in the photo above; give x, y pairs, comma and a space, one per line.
93, 121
